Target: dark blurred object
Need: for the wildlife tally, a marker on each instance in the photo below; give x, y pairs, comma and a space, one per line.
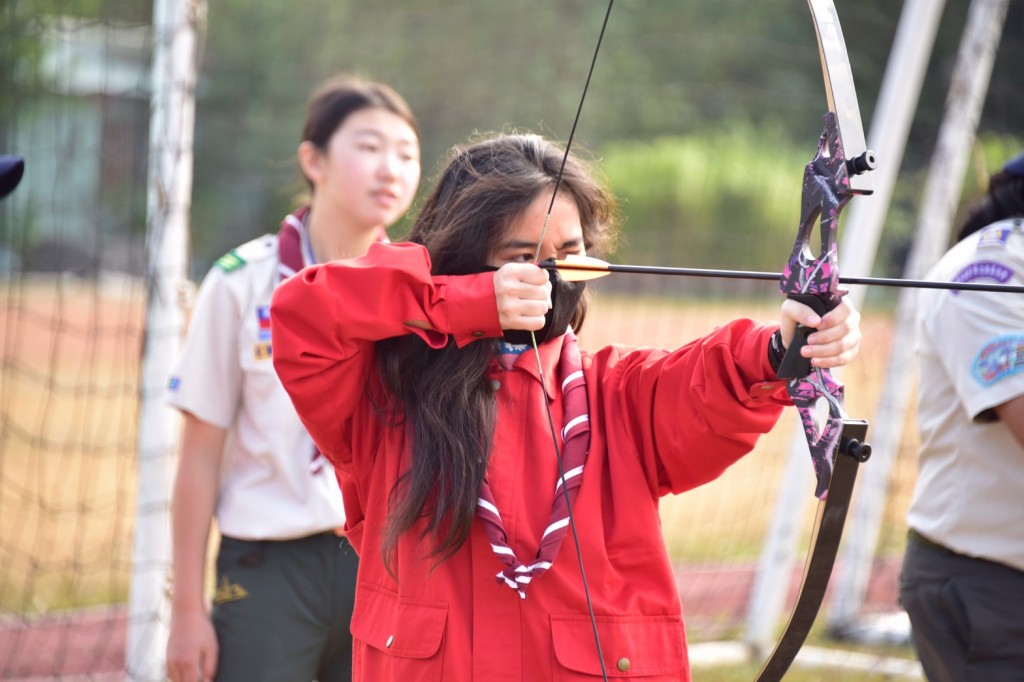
11, 170
1015, 166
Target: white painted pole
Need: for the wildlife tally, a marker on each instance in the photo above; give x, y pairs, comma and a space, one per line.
172, 117
890, 127
942, 190
862, 229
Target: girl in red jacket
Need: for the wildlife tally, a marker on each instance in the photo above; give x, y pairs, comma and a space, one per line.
460, 450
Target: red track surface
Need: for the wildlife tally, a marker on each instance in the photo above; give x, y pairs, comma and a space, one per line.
92, 645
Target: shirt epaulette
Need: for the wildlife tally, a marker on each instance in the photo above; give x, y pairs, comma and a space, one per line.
254, 250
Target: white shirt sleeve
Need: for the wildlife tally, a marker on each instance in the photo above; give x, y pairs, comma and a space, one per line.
206, 380
980, 341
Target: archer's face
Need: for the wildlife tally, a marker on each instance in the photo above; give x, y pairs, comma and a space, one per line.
563, 237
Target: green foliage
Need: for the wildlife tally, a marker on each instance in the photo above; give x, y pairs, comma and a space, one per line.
724, 198
734, 74
991, 152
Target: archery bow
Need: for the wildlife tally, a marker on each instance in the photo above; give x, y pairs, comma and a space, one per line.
831, 179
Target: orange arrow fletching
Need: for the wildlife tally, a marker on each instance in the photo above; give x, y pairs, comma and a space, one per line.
581, 268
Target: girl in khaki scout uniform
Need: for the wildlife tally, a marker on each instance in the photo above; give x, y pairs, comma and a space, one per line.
285, 579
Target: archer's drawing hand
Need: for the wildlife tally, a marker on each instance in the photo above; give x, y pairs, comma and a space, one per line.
836, 339
523, 295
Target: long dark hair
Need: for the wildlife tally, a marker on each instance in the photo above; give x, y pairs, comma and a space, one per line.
1004, 199
447, 403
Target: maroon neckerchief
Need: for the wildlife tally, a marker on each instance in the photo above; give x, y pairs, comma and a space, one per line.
289, 243
575, 447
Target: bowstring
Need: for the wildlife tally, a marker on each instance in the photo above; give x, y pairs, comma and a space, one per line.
540, 365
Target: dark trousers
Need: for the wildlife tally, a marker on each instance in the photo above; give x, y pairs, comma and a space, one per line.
967, 614
282, 609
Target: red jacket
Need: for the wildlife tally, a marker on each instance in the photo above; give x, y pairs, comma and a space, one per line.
661, 422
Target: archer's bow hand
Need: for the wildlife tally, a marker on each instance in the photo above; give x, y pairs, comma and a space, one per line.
835, 339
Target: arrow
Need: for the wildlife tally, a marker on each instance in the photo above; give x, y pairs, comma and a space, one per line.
581, 268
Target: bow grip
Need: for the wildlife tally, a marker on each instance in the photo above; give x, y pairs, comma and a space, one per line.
794, 365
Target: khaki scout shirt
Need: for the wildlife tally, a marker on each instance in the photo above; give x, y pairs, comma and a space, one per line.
274, 483
970, 489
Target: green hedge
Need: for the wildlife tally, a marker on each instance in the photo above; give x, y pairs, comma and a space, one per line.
728, 198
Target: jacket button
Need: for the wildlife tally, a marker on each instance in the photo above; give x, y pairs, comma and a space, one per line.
622, 664
495, 384
391, 640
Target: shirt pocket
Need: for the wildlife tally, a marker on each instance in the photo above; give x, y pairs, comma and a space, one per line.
396, 637
262, 391
649, 648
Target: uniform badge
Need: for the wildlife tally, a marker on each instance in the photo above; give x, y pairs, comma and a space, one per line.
995, 235
263, 317
230, 261
229, 591
999, 358
262, 350
984, 269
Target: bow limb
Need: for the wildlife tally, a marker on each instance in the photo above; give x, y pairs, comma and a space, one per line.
828, 531
836, 443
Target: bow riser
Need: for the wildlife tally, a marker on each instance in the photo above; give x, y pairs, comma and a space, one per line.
814, 281
804, 273
823, 444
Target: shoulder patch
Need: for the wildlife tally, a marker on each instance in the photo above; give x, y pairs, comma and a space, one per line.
984, 270
247, 253
994, 236
1001, 357
230, 261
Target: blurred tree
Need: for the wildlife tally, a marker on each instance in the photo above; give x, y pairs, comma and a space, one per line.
666, 68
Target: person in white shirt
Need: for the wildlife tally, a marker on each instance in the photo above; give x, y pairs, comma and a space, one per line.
962, 581
285, 575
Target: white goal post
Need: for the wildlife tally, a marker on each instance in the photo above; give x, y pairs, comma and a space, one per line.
172, 125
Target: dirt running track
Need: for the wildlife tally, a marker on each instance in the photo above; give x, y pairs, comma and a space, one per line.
91, 646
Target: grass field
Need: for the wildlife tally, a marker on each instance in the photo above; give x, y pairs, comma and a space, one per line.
68, 405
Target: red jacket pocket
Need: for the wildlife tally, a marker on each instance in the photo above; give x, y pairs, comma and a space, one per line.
639, 647
398, 626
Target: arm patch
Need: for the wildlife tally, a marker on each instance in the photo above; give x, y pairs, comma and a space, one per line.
230, 261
